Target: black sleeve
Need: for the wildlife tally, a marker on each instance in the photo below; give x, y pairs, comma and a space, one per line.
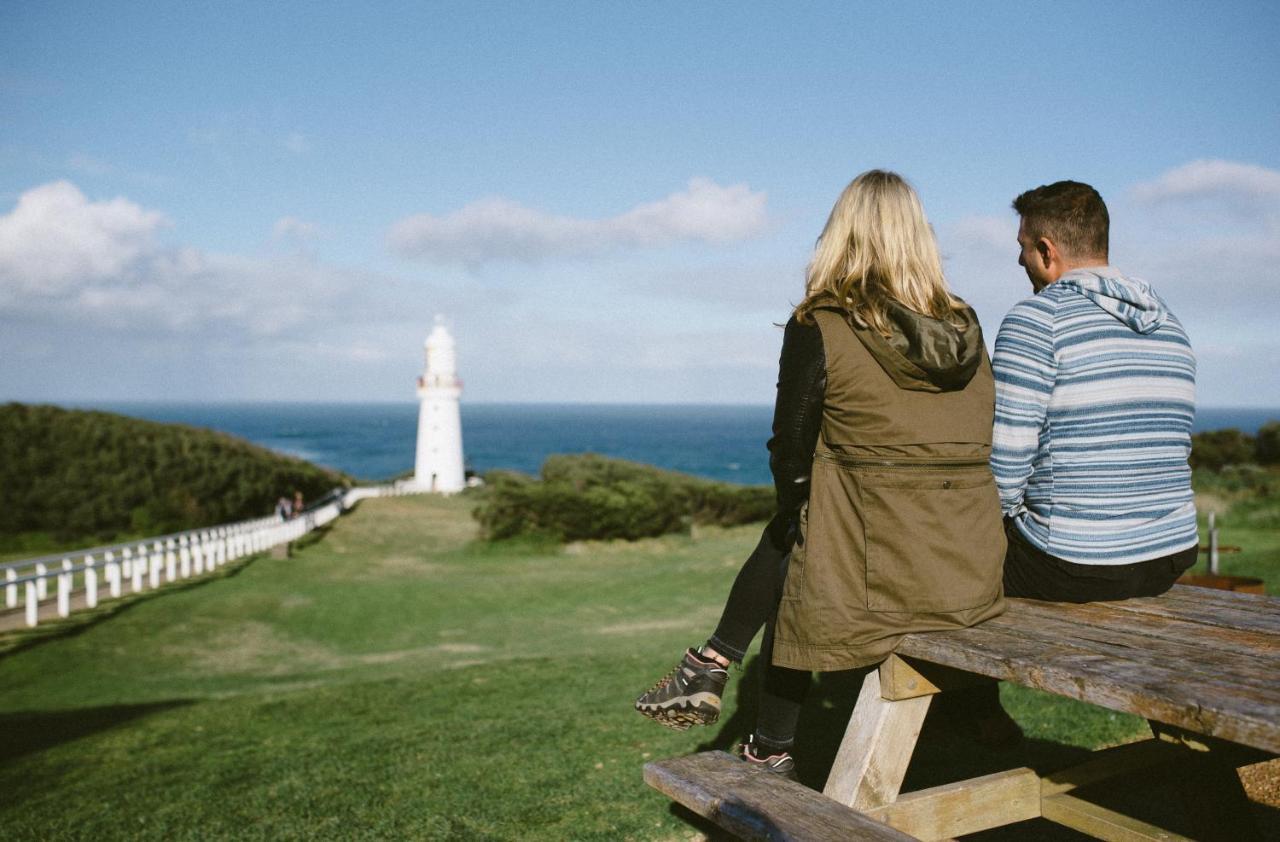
797, 417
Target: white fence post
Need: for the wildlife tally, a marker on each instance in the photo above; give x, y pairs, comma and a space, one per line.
90, 582
184, 557
170, 560
33, 603
42, 590
113, 575
64, 589
10, 590
139, 566
157, 556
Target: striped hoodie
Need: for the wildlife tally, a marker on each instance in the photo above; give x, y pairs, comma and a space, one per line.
1095, 395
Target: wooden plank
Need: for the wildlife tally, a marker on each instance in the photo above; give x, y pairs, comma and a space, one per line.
1150, 689
1260, 607
1155, 620
756, 804
877, 746
1196, 666
1200, 615
966, 806
1101, 823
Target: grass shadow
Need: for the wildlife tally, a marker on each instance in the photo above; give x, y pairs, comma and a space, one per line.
29, 732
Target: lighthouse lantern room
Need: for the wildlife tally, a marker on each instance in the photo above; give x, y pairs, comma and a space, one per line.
438, 466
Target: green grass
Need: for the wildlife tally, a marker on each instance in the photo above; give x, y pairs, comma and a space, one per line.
396, 679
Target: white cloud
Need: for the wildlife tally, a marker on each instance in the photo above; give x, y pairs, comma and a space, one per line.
66, 258
498, 229
55, 239
292, 229
1210, 179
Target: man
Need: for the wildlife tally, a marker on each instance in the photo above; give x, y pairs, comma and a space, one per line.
1095, 395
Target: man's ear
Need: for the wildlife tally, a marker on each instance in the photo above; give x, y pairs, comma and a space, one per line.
1046, 251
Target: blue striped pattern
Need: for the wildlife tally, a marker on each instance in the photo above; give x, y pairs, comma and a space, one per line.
1095, 395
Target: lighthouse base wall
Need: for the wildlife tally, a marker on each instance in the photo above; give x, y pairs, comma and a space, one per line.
439, 465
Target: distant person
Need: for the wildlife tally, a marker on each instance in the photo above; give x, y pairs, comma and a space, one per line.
1095, 396
284, 508
888, 518
297, 503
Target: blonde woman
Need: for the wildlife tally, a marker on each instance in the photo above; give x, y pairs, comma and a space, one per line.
888, 518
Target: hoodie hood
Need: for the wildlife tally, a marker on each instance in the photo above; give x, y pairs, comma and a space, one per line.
1130, 300
924, 354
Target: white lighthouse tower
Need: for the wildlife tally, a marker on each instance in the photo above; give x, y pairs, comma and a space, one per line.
438, 466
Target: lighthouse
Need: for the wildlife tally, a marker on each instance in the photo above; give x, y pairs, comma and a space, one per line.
438, 466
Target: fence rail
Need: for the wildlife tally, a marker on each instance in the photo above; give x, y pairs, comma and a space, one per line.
150, 563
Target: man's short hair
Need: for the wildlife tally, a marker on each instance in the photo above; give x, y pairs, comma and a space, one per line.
1070, 214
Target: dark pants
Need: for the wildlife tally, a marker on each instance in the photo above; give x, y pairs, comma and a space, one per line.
1031, 573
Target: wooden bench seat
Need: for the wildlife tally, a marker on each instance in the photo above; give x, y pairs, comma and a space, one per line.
755, 804
1202, 666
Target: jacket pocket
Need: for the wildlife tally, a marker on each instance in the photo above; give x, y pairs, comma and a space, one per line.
934, 540
793, 585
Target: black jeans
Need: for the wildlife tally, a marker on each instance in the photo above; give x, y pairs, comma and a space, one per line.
753, 599
752, 603
1032, 573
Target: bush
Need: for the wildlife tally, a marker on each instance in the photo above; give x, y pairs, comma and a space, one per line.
1216, 449
589, 496
1267, 447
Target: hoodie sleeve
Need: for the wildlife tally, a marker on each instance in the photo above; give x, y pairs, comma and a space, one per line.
1025, 367
797, 417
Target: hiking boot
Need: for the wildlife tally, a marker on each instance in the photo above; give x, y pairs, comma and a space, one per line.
782, 763
689, 695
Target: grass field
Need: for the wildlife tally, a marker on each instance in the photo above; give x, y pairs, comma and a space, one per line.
397, 679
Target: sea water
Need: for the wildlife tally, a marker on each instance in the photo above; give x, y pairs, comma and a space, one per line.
376, 441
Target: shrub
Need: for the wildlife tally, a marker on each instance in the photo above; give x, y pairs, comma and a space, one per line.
589, 496
94, 476
1218, 448
1267, 447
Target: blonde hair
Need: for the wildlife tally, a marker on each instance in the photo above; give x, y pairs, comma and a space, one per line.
877, 247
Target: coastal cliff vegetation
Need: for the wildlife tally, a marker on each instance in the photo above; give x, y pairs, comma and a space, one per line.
588, 496
77, 476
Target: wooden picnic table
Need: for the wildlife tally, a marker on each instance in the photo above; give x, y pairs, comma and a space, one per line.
1202, 666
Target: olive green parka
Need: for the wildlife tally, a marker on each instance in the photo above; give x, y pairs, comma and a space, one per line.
902, 532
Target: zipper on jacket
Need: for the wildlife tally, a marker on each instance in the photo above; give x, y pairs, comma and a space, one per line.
888, 462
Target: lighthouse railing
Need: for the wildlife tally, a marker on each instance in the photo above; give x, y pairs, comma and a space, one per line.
80, 579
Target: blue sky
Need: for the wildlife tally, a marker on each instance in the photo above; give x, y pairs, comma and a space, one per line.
608, 202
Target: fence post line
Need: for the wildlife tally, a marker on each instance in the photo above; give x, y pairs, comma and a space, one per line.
113, 575
90, 582
42, 589
10, 590
33, 603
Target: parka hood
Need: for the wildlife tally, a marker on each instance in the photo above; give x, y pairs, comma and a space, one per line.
924, 354
1130, 300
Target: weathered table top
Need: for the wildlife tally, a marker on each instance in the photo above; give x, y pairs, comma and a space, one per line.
1200, 659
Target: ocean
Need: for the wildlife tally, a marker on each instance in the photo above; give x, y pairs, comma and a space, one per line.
374, 442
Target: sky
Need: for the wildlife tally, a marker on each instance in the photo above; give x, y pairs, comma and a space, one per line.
605, 202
